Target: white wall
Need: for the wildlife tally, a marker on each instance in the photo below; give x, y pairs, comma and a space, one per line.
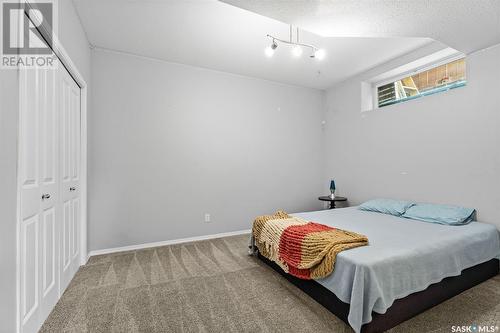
169, 143
441, 148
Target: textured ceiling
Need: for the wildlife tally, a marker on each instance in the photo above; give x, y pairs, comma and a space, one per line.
466, 25
216, 35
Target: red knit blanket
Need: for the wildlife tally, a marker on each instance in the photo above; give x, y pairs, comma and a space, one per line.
290, 248
304, 249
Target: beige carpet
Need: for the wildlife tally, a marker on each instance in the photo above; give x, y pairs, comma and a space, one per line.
214, 286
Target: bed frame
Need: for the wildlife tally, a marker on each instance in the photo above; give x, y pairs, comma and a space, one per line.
404, 308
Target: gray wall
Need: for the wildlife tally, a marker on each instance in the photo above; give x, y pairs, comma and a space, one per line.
442, 148
8, 197
169, 143
73, 37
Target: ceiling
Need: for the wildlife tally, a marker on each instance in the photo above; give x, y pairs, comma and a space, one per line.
466, 25
216, 35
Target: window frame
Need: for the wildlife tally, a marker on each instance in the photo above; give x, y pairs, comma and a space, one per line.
415, 71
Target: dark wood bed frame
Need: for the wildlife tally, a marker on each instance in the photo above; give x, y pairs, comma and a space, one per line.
404, 308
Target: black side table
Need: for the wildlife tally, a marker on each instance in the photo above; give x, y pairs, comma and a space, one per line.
332, 201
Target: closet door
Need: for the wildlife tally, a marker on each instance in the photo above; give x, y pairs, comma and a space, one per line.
69, 93
39, 194
49, 189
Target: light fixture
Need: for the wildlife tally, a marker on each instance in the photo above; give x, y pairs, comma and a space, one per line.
269, 51
297, 47
297, 51
319, 54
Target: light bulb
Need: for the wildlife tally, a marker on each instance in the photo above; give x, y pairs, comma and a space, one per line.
297, 51
269, 51
319, 54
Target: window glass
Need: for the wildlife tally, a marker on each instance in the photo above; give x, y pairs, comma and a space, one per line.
437, 79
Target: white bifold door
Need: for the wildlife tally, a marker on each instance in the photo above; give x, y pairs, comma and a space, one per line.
49, 166
69, 175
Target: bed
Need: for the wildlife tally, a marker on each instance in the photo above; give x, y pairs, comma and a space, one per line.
408, 267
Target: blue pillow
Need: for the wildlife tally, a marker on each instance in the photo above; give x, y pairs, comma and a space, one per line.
442, 214
386, 206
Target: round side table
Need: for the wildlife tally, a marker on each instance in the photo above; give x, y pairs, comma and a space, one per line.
332, 201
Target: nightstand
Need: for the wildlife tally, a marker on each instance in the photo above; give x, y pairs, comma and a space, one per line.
332, 201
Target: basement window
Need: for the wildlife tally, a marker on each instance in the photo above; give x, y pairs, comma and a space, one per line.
433, 79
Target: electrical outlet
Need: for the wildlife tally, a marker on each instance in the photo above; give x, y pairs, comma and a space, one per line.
207, 218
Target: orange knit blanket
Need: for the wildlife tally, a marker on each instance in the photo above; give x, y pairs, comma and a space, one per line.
303, 249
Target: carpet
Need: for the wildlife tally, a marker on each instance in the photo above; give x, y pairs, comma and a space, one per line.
214, 286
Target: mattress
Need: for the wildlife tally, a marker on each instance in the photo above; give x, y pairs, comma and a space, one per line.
403, 256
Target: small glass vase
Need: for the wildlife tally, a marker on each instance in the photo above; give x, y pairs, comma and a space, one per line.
332, 194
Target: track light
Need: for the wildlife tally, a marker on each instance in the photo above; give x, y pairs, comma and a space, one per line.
297, 51
269, 51
297, 47
319, 54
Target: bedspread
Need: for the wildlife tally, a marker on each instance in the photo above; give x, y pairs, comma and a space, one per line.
404, 256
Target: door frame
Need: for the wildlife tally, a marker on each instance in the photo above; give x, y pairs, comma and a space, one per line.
72, 69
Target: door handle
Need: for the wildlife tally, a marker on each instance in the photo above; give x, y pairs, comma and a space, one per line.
45, 196
72, 188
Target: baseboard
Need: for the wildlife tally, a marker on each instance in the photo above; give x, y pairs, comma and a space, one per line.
168, 242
